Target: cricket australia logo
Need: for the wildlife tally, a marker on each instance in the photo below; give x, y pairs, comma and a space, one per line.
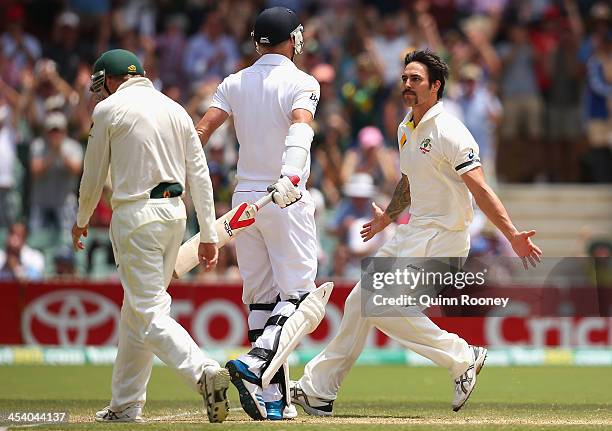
425, 146
471, 154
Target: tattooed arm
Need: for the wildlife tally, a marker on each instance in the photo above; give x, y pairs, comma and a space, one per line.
399, 202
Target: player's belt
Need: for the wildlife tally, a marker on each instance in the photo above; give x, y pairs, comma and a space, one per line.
166, 190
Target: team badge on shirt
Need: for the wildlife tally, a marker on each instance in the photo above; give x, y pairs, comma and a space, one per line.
425, 146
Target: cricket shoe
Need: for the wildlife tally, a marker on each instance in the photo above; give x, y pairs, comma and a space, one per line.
213, 387
129, 414
249, 389
312, 405
464, 385
279, 410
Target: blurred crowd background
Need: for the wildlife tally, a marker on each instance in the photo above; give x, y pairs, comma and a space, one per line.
531, 79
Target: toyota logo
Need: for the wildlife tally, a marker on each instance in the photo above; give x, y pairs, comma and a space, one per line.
72, 314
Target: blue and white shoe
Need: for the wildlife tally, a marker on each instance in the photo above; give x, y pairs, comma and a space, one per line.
275, 410
279, 410
464, 385
249, 389
312, 405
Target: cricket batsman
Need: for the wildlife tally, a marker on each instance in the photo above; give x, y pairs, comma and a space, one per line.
441, 170
152, 148
273, 104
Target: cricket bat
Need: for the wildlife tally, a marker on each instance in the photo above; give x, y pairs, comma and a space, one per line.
227, 226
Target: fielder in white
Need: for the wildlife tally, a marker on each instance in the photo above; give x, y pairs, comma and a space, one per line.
152, 148
440, 167
272, 103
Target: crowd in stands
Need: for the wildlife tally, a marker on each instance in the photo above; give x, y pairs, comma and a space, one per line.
531, 79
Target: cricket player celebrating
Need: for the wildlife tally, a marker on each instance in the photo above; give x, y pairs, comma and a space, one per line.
152, 147
273, 104
440, 168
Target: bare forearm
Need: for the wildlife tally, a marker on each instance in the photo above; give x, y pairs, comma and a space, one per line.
400, 200
493, 208
210, 122
204, 132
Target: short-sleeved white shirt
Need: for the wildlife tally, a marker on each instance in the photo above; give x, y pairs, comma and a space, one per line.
261, 98
434, 155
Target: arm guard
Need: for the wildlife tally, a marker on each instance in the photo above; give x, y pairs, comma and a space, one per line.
297, 149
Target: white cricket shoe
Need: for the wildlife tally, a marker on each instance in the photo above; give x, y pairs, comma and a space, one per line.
129, 414
290, 412
466, 382
312, 405
213, 387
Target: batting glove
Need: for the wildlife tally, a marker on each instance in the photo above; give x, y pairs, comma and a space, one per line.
285, 191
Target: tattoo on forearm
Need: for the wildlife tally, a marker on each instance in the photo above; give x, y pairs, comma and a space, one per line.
400, 200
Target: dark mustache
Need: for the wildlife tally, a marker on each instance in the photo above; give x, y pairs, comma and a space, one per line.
407, 92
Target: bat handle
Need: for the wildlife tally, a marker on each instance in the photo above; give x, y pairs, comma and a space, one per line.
263, 201
268, 198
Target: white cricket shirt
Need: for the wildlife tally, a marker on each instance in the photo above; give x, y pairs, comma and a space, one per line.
147, 139
261, 98
433, 155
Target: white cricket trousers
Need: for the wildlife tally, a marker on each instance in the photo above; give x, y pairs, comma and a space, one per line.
277, 255
146, 236
277, 259
323, 375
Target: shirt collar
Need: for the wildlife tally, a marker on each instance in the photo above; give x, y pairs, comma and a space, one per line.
274, 60
138, 81
431, 113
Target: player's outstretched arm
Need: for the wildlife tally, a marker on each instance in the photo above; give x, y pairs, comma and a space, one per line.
493, 208
399, 202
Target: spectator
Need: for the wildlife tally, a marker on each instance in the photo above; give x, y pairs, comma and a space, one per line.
170, 48
95, 21
372, 157
43, 91
328, 101
327, 153
18, 261
210, 53
55, 162
389, 44
68, 49
354, 210
563, 103
16, 44
522, 121
8, 153
363, 98
598, 162
481, 112
64, 263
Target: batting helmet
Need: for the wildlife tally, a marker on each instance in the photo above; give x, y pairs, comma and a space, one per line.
276, 25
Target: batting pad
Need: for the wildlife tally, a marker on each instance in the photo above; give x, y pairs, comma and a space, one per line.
305, 320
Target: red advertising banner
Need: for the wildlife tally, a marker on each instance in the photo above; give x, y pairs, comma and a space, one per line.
87, 313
